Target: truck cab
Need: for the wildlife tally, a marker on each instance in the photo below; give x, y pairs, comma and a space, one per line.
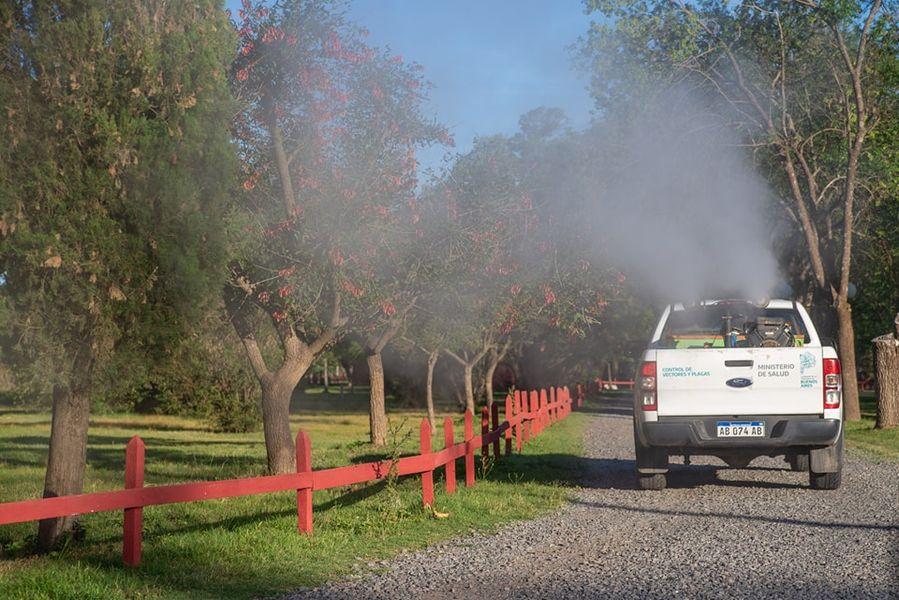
737, 380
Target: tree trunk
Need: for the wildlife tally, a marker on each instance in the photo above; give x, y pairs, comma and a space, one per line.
488, 381
429, 388
378, 412
886, 352
497, 354
68, 453
348, 374
851, 408
325, 379
279, 443
469, 388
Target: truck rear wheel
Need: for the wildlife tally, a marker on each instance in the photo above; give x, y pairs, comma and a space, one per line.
648, 457
826, 481
799, 462
656, 481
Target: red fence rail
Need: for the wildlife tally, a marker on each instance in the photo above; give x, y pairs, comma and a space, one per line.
526, 415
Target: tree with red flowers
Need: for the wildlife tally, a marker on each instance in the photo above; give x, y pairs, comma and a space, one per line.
326, 136
524, 269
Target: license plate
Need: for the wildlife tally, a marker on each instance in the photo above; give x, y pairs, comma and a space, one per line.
741, 429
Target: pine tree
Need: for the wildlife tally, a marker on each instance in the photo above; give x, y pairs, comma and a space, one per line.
116, 168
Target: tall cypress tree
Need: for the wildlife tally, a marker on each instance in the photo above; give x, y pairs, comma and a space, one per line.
114, 186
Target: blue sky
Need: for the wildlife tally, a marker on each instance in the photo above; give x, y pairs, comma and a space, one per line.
489, 60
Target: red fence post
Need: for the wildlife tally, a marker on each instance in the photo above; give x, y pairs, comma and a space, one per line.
543, 418
485, 429
134, 517
518, 425
509, 421
547, 417
541, 402
469, 450
448, 442
553, 403
494, 426
532, 424
304, 495
427, 478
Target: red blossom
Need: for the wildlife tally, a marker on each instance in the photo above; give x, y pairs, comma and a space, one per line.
548, 296
333, 45
351, 289
271, 34
336, 257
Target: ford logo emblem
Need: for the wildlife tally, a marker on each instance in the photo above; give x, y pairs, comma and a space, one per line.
739, 382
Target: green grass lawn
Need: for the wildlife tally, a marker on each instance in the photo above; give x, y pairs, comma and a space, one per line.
249, 547
861, 434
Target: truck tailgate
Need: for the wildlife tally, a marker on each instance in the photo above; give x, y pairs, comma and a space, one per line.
740, 381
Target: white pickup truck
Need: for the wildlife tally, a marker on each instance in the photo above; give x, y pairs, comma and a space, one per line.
739, 380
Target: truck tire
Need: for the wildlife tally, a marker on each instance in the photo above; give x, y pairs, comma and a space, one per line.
826, 481
648, 457
656, 481
799, 462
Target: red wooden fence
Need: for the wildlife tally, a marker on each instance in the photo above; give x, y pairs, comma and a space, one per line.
526, 415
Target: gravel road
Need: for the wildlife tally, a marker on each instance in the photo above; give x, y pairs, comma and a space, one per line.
758, 532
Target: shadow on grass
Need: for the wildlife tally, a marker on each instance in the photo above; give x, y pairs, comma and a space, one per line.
107, 453
148, 425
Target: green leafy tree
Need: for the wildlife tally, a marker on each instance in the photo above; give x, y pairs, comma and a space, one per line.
522, 269
116, 166
797, 79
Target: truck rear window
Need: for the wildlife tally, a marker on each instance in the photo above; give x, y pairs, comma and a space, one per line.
705, 326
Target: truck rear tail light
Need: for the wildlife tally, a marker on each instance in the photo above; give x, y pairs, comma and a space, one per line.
833, 383
648, 386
